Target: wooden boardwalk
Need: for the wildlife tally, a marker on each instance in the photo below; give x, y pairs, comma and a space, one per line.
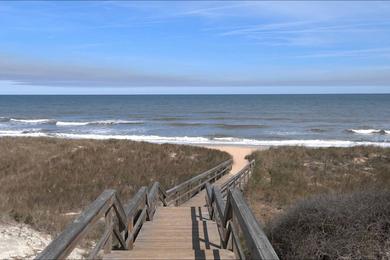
193, 220
177, 233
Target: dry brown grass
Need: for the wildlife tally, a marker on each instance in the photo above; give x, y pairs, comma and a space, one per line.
284, 175
343, 226
325, 203
42, 179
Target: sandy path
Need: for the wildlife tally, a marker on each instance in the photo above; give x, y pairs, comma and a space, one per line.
238, 154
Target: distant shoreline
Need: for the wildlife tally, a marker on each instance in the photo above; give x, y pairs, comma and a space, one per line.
202, 141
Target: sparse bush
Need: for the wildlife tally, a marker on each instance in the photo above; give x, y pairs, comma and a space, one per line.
354, 224
43, 179
343, 226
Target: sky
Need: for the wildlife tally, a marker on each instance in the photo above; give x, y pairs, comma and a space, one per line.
199, 47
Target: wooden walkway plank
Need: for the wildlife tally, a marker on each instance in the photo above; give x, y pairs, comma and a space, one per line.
177, 233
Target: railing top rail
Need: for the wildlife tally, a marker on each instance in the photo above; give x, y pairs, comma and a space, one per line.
144, 200
199, 176
237, 176
64, 243
136, 201
257, 242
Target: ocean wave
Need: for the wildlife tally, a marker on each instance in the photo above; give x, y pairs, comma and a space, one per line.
68, 123
62, 123
168, 118
32, 121
317, 130
183, 124
369, 131
115, 122
198, 140
102, 122
223, 126
22, 133
239, 126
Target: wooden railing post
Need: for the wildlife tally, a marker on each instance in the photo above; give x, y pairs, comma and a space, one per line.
130, 218
130, 226
109, 221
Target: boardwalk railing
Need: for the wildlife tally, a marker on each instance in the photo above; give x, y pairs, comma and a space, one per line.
123, 222
237, 226
186, 190
239, 179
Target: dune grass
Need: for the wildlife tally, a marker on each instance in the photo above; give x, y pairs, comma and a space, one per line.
44, 181
335, 226
325, 203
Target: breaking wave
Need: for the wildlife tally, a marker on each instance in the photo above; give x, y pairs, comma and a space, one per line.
198, 140
67, 123
102, 122
369, 131
32, 121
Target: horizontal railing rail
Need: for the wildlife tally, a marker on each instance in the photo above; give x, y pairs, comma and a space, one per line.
186, 190
239, 179
123, 223
237, 226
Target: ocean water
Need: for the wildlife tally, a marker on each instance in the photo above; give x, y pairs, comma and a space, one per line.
310, 120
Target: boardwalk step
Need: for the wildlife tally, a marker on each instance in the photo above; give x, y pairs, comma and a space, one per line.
174, 254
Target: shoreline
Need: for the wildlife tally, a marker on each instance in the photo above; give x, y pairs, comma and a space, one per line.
201, 141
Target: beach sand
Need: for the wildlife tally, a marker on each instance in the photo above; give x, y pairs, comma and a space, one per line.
238, 154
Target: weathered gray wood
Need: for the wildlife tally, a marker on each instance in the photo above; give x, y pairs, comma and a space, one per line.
100, 244
152, 200
109, 220
136, 202
192, 191
238, 250
63, 245
223, 167
138, 224
120, 238
130, 227
236, 206
120, 212
238, 179
258, 242
142, 206
219, 203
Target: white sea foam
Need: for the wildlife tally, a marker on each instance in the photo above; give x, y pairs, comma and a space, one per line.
114, 122
369, 131
199, 140
61, 123
18, 133
32, 121
102, 122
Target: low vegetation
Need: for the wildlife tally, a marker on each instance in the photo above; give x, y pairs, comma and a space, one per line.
326, 203
45, 182
337, 226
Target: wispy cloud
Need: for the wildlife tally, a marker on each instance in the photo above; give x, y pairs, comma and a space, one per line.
176, 44
362, 53
59, 75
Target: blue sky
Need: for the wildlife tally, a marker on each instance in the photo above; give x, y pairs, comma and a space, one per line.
125, 47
